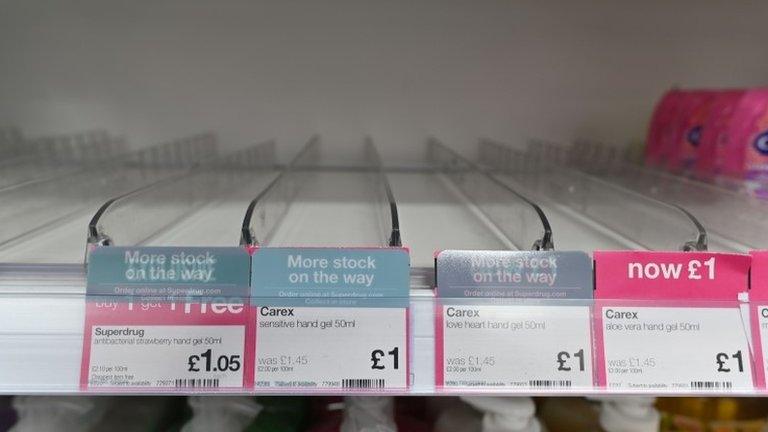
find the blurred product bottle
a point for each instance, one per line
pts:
(59, 413)
(629, 414)
(566, 414)
(369, 414)
(452, 414)
(141, 414)
(246, 413)
(280, 414)
(7, 413)
(713, 414)
(489, 414)
(221, 413)
(635, 414)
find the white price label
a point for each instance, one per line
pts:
(516, 347)
(331, 348)
(675, 349)
(172, 356)
(762, 323)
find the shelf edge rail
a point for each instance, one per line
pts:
(136, 216)
(543, 169)
(513, 213)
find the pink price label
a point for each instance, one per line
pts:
(758, 296)
(759, 278)
(154, 338)
(643, 275)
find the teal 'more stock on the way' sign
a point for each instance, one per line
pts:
(546, 275)
(360, 273)
(169, 271)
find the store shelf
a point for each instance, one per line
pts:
(42, 343)
(443, 202)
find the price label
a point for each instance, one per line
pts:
(758, 314)
(514, 346)
(760, 328)
(486, 341)
(675, 349)
(165, 345)
(331, 318)
(331, 348)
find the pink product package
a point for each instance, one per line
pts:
(746, 150)
(661, 130)
(689, 125)
(714, 136)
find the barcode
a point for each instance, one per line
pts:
(196, 382)
(549, 383)
(711, 385)
(361, 383)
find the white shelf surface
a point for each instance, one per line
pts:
(217, 223)
(331, 209)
